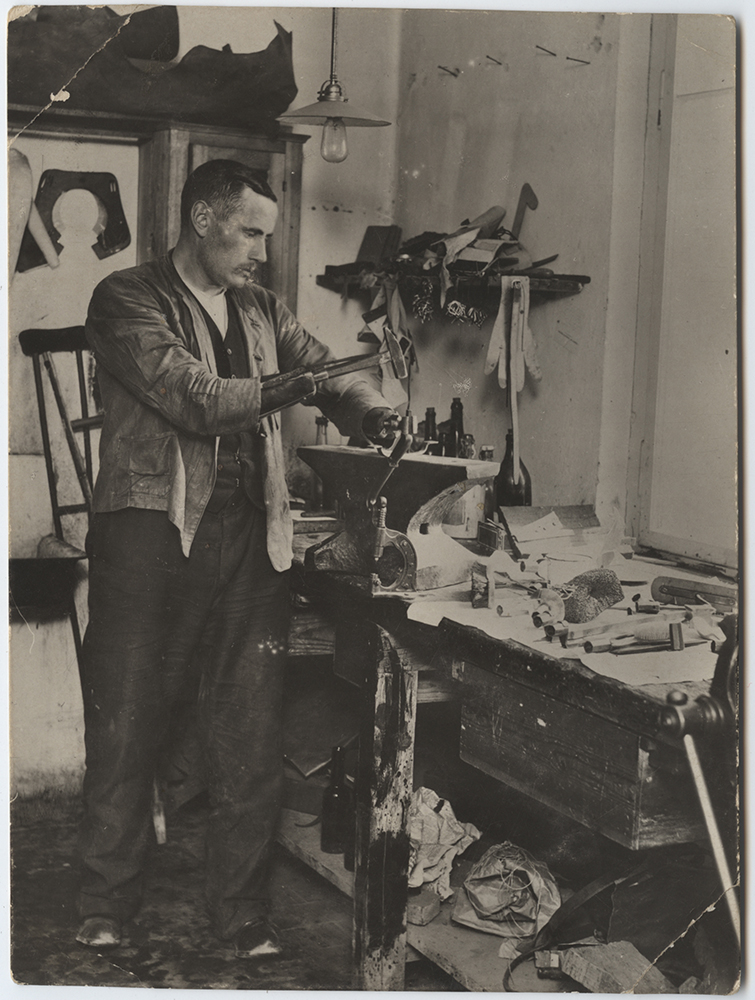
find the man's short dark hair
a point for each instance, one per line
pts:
(220, 183)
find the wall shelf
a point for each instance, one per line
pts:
(100, 126)
(482, 287)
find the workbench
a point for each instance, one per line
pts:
(583, 744)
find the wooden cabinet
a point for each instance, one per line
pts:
(167, 158)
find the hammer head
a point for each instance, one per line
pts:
(398, 361)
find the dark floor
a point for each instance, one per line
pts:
(170, 944)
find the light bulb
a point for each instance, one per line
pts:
(333, 147)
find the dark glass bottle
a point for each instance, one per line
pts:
(456, 429)
(318, 490)
(431, 433)
(457, 416)
(508, 492)
(337, 808)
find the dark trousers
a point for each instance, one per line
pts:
(161, 626)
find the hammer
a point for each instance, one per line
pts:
(284, 389)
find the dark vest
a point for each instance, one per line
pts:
(238, 461)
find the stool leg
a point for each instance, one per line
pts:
(75, 628)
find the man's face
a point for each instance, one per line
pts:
(232, 247)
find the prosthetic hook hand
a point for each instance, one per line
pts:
(380, 425)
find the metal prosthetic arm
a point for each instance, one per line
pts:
(281, 391)
(284, 389)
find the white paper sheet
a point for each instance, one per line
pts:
(695, 663)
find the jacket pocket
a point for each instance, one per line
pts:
(149, 465)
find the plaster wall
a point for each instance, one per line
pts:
(482, 110)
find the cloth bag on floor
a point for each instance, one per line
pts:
(509, 893)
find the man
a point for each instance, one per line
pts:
(189, 548)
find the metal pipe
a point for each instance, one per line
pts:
(713, 833)
(333, 32)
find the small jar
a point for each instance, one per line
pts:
(467, 446)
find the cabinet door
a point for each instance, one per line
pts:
(169, 156)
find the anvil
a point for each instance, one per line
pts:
(399, 545)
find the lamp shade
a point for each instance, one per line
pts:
(319, 113)
(332, 111)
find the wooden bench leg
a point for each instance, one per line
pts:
(384, 788)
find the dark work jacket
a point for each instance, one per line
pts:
(165, 405)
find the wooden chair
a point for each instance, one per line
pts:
(52, 575)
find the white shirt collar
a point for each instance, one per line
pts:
(216, 304)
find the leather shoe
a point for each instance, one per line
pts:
(99, 932)
(258, 939)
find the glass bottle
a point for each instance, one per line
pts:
(337, 811)
(431, 432)
(456, 432)
(457, 416)
(321, 499)
(509, 492)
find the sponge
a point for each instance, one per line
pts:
(590, 593)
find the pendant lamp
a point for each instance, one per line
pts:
(333, 111)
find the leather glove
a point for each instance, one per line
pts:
(380, 425)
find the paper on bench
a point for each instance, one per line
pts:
(695, 663)
(549, 526)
